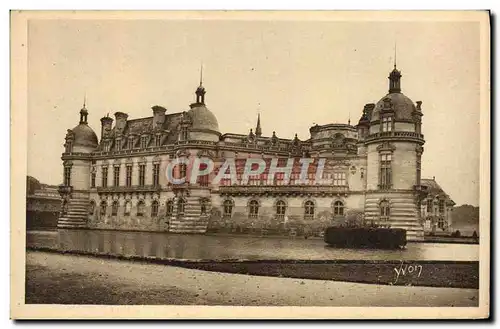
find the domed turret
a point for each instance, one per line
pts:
(204, 125)
(402, 106)
(83, 135)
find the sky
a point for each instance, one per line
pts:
(294, 73)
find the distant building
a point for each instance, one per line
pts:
(43, 205)
(118, 181)
(436, 209)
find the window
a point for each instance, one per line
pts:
(180, 207)
(309, 210)
(142, 173)
(441, 223)
(280, 209)
(114, 208)
(386, 124)
(184, 134)
(204, 207)
(104, 177)
(253, 209)
(430, 204)
(131, 142)
(129, 176)
(107, 146)
(116, 176)
(67, 176)
(92, 179)
(203, 180)
(170, 208)
(385, 171)
(339, 179)
(92, 207)
(182, 170)
(338, 208)
(158, 140)
(144, 142)
(154, 208)
(127, 208)
(104, 206)
(441, 206)
(228, 209)
(69, 146)
(140, 208)
(156, 174)
(385, 211)
(118, 144)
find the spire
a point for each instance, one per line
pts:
(83, 112)
(200, 91)
(395, 76)
(395, 53)
(258, 129)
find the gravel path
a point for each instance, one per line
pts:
(64, 279)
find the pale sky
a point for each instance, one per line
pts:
(295, 73)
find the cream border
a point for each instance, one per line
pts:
(19, 22)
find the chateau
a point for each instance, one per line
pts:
(118, 181)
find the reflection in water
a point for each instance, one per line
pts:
(181, 246)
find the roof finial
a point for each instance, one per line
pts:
(349, 120)
(395, 53)
(85, 100)
(201, 74)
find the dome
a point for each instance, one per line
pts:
(402, 105)
(84, 136)
(202, 118)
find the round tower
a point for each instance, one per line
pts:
(394, 149)
(81, 141)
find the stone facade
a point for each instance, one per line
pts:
(373, 168)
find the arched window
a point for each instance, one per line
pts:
(385, 211)
(104, 205)
(338, 208)
(154, 208)
(114, 208)
(228, 208)
(92, 207)
(128, 206)
(253, 210)
(140, 208)
(309, 210)
(280, 209)
(170, 208)
(180, 207)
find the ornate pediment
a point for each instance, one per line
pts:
(386, 146)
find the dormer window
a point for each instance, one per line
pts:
(144, 142)
(184, 134)
(118, 145)
(107, 146)
(130, 142)
(69, 146)
(158, 140)
(387, 123)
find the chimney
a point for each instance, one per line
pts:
(121, 121)
(158, 116)
(106, 123)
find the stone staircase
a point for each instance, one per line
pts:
(191, 221)
(76, 215)
(404, 214)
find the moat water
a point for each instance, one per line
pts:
(218, 247)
